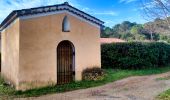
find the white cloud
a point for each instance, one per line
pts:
(7, 6)
(110, 13)
(94, 12)
(127, 1)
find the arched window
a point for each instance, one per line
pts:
(66, 24)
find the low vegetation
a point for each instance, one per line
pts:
(164, 96)
(135, 55)
(110, 76)
(5, 90)
(163, 78)
(93, 74)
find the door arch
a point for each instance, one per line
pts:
(65, 62)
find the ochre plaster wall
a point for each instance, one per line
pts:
(29, 49)
(10, 53)
(38, 43)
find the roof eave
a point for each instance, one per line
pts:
(8, 20)
(17, 13)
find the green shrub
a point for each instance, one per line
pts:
(93, 74)
(135, 55)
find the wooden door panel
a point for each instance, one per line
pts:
(64, 62)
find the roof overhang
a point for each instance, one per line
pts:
(48, 9)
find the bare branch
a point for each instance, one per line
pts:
(156, 9)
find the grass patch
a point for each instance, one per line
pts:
(111, 75)
(163, 78)
(6, 91)
(164, 96)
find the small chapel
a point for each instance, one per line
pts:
(48, 45)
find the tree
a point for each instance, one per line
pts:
(123, 28)
(165, 38)
(150, 28)
(106, 32)
(137, 29)
(137, 32)
(153, 9)
(126, 25)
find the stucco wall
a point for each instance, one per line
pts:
(38, 43)
(10, 53)
(29, 57)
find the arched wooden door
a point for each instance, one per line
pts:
(65, 62)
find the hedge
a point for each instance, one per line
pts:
(135, 55)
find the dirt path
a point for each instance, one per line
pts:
(132, 88)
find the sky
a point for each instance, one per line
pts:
(110, 11)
